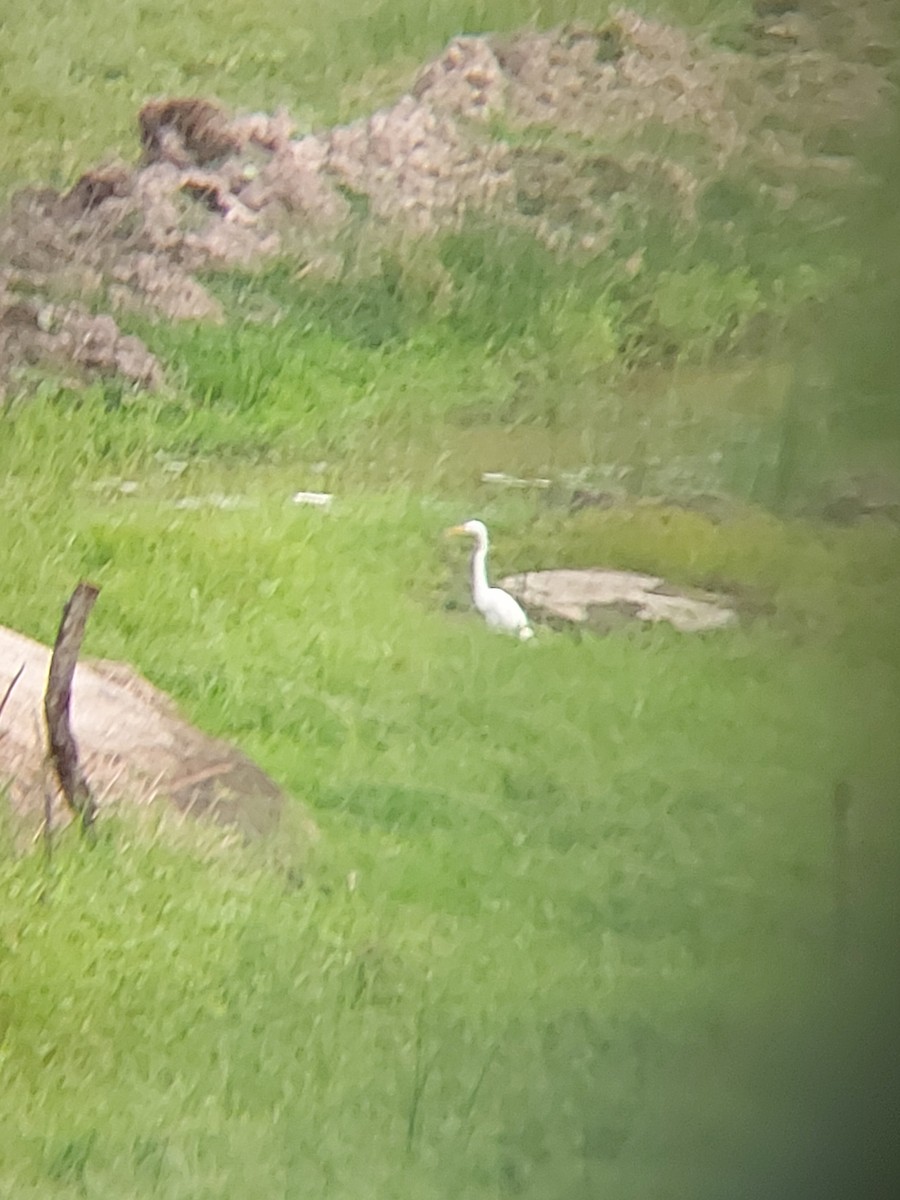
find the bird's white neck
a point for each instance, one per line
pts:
(480, 585)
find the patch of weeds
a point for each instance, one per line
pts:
(68, 1162)
(704, 309)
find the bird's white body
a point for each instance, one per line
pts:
(499, 609)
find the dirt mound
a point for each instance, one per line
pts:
(554, 133)
(33, 331)
(134, 746)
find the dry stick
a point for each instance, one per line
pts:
(63, 748)
(8, 692)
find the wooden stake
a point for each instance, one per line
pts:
(63, 748)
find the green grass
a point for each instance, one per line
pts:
(589, 874)
(569, 927)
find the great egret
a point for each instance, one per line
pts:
(497, 607)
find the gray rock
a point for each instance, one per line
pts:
(577, 595)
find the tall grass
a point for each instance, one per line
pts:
(559, 885)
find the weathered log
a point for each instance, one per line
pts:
(63, 747)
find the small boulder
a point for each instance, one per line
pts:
(586, 597)
(134, 747)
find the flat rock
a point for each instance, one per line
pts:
(134, 746)
(581, 596)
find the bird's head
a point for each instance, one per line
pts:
(476, 529)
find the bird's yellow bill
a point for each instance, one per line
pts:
(454, 529)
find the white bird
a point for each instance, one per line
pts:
(497, 607)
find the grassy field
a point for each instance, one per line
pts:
(564, 894)
(570, 927)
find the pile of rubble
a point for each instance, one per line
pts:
(553, 132)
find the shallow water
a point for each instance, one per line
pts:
(712, 439)
(677, 432)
